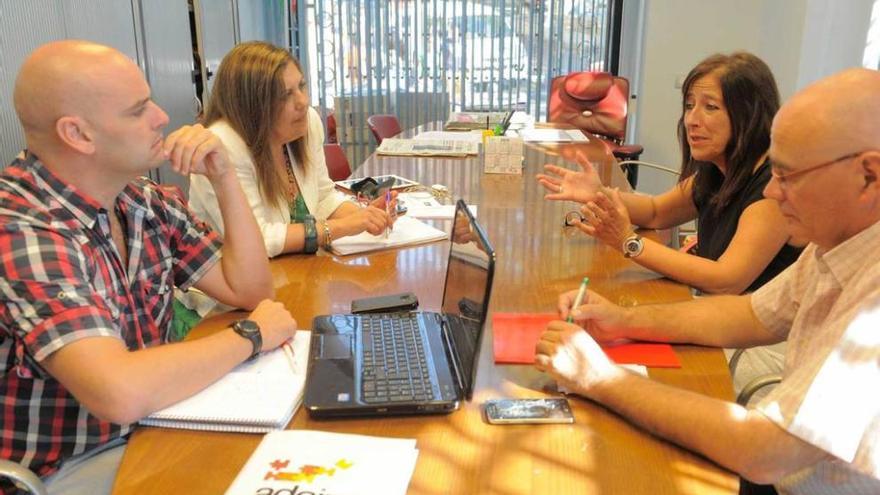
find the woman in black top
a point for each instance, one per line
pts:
(728, 104)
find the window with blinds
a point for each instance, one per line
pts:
(422, 59)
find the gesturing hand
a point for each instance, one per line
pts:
(607, 218)
(563, 184)
(194, 149)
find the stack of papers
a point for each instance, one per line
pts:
(407, 231)
(427, 147)
(423, 205)
(302, 462)
(255, 397)
(553, 135)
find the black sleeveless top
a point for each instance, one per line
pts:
(715, 228)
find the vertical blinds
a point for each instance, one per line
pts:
(421, 59)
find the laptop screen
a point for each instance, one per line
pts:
(467, 289)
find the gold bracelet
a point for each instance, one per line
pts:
(327, 237)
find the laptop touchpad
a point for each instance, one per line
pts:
(335, 347)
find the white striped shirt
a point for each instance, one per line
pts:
(827, 304)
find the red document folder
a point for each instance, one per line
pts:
(515, 336)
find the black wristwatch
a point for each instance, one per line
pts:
(633, 246)
(251, 331)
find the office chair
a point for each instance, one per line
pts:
(331, 128)
(383, 126)
(22, 477)
(337, 163)
(755, 384)
(597, 103)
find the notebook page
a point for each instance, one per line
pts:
(261, 393)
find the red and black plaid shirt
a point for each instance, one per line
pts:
(62, 279)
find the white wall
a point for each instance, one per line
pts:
(801, 41)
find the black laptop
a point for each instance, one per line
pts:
(408, 362)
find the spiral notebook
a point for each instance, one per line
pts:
(255, 397)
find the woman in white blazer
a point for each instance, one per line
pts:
(259, 108)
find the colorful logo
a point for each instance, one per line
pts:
(305, 473)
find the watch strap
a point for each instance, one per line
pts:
(255, 337)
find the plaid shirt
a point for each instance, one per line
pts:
(62, 279)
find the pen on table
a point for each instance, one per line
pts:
(579, 299)
(388, 210)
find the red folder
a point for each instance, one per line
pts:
(515, 336)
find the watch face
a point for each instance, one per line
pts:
(248, 326)
(632, 247)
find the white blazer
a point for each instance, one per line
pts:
(315, 186)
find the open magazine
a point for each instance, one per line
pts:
(427, 147)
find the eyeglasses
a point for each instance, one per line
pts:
(782, 179)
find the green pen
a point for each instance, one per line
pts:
(580, 297)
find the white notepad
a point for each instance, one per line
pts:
(407, 231)
(255, 397)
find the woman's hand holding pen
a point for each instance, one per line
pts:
(370, 219)
(606, 218)
(384, 205)
(563, 184)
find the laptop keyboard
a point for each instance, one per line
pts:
(393, 357)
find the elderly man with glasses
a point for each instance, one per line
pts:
(819, 430)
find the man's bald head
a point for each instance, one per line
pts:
(63, 78)
(832, 117)
(824, 152)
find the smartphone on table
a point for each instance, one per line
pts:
(405, 301)
(512, 411)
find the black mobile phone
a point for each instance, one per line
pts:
(385, 304)
(511, 411)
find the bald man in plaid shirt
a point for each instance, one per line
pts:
(90, 252)
(818, 431)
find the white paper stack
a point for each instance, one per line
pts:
(327, 463)
(407, 231)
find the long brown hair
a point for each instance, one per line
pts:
(752, 99)
(248, 94)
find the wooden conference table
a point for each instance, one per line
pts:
(459, 453)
